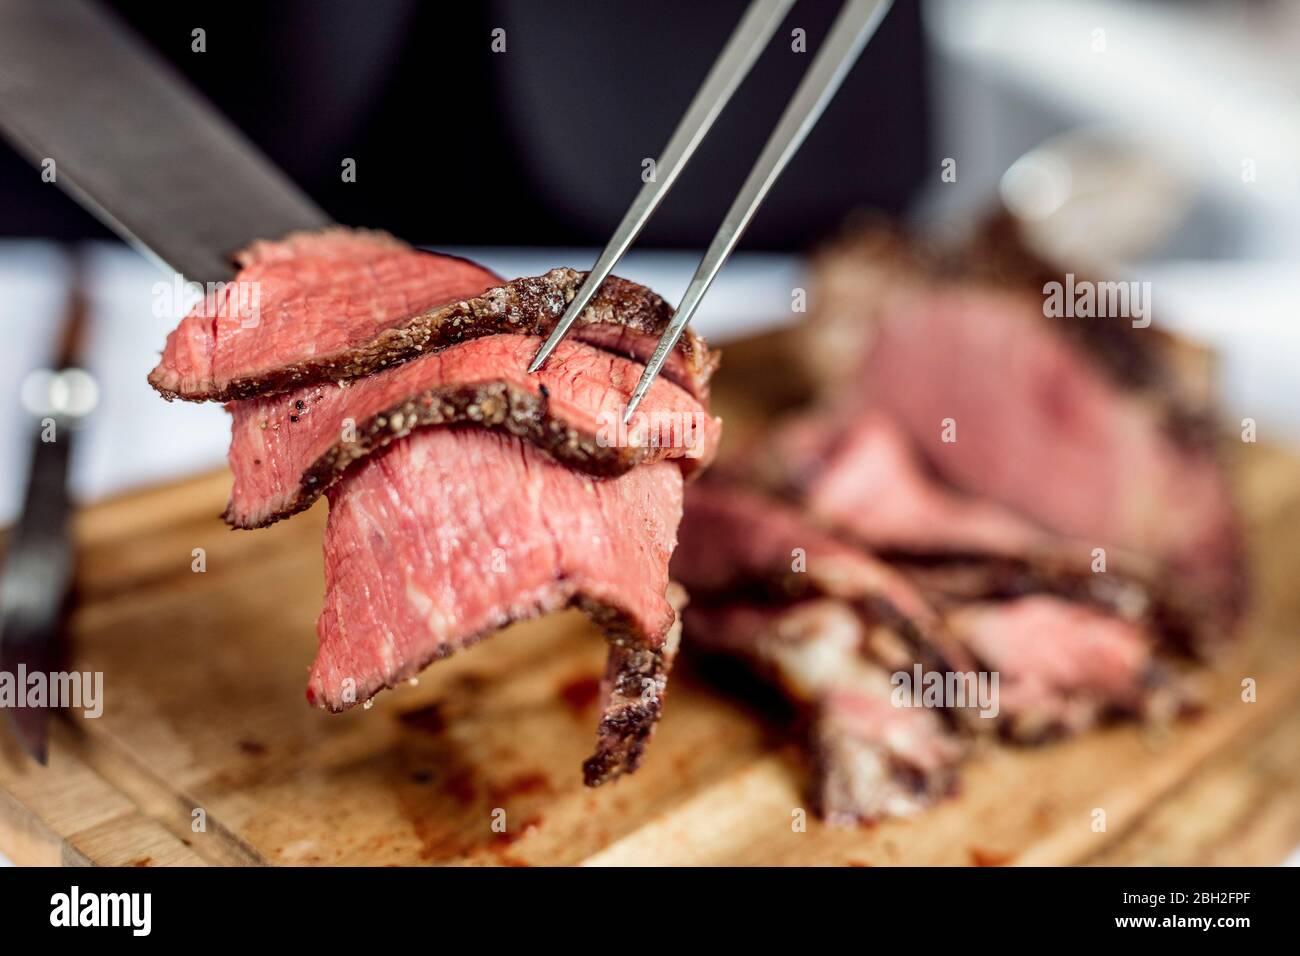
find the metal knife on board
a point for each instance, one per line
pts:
(105, 118)
(36, 578)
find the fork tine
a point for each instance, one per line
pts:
(747, 42)
(853, 28)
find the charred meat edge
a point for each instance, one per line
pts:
(630, 713)
(529, 306)
(495, 405)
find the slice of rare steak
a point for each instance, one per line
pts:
(287, 449)
(1063, 667)
(340, 304)
(450, 534)
(307, 307)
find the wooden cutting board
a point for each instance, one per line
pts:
(205, 720)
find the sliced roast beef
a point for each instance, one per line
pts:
(872, 759)
(301, 308)
(1068, 648)
(735, 541)
(858, 473)
(1090, 427)
(1064, 666)
(450, 534)
(1072, 644)
(828, 624)
(338, 348)
(340, 304)
(287, 449)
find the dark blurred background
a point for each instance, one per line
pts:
(540, 145)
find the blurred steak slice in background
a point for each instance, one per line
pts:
(857, 472)
(1064, 667)
(826, 624)
(871, 760)
(1095, 428)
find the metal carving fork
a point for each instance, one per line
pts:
(853, 27)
